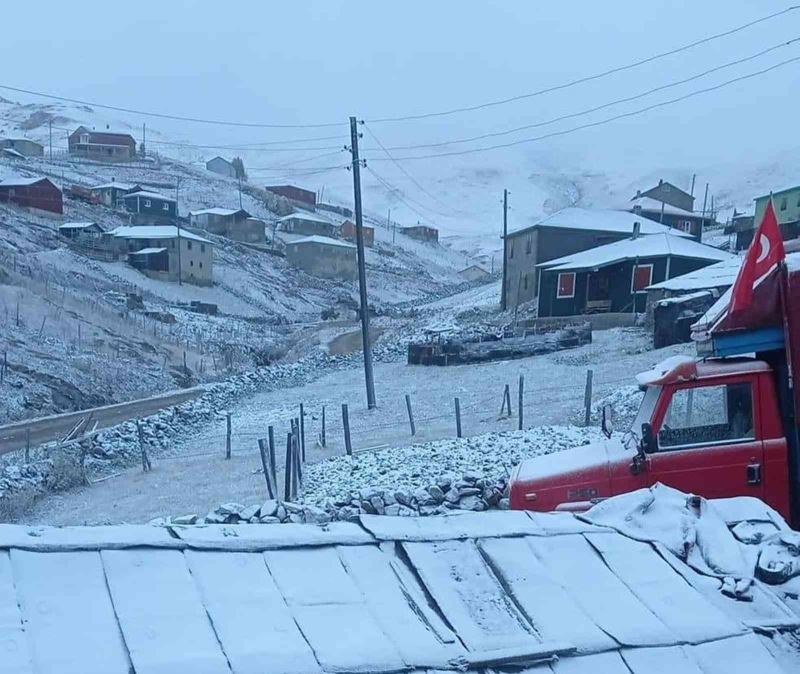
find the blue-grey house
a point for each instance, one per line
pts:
(151, 207)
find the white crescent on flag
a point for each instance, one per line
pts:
(764, 246)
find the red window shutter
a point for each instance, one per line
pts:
(642, 277)
(566, 285)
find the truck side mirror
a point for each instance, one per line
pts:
(608, 421)
(649, 444)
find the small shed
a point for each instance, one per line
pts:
(221, 166)
(81, 230)
(24, 146)
(324, 257)
(34, 194)
(347, 231)
(151, 207)
(307, 224)
(615, 277)
(474, 273)
(421, 233)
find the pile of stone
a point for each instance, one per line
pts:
(471, 492)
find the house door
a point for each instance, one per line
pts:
(597, 287)
(709, 442)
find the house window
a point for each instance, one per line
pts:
(147, 203)
(188, 245)
(525, 282)
(84, 138)
(511, 250)
(201, 265)
(202, 248)
(528, 245)
(566, 286)
(191, 263)
(641, 277)
(783, 204)
(165, 207)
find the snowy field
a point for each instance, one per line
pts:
(195, 477)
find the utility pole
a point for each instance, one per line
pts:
(703, 221)
(144, 139)
(691, 191)
(50, 130)
(503, 298)
(240, 192)
(362, 269)
(178, 228)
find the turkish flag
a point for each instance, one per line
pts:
(766, 251)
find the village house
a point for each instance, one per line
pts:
(742, 228)
(221, 166)
(23, 146)
(474, 273)
(81, 231)
(40, 195)
(615, 277)
(324, 257)
(102, 145)
(307, 224)
(233, 223)
(671, 216)
(113, 194)
(421, 233)
(787, 209)
(164, 251)
(150, 207)
(347, 231)
(565, 232)
(297, 195)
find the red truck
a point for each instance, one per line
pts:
(723, 424)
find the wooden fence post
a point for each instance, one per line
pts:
(298, 466)
(271, 440)
(458, 418)
(519, 401)
(287, 478)
(587, 398)
(227, 435)
(322, 435)
(146, 465)
(346, 423)
(506, 404)
(410, 415)
(302, 433)
(265, 465)
(27, 445)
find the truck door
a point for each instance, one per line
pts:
(709, 441)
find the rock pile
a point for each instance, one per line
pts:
(470, 492)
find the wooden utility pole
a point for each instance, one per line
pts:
(50, 130)
(362, 268)
(503, 298)
(703, 221)
(178, 228)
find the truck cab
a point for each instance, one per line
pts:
(721, 425)
(707, 427)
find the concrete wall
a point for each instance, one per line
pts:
(196, 258)
(28, 148)
(324, 260)
(221, 166)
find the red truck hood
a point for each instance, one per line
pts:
(575, 475)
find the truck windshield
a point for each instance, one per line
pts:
(645, 412)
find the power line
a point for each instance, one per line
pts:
(597, 108)
(588, 78)
(601, 122)
(161, 115)
(398, 194)
(302, 161)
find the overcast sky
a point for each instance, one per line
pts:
(312, 61)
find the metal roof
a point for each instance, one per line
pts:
(323, 240)
(155, 232)
(598, 220)
(388, 594)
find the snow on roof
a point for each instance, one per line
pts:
(653, 245)
(22, 182)
(649, 204)
(21, 138)
(603, 220)
(77, 225)
(155, 232)
(217, 211)
(149, 195)
(119, 186)
(324, 240)
(717, 275)
(329, 599)
(13, 152)
(305, 216)
(147, 251)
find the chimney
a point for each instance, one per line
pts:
(638, 193)
(636, 227)
(660, 182)
(637, 209)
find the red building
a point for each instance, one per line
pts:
(102, 144)
(33, 193)
(303, 198)
(348, 232)
(421, 232)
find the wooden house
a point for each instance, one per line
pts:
(347, 231)
(421, 233)
(113, 194)
(307, 224)
(102, 145)
(34, 194)
(150, 207)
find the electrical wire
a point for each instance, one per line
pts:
(588, 78)
(602, 122)
(588, 111)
